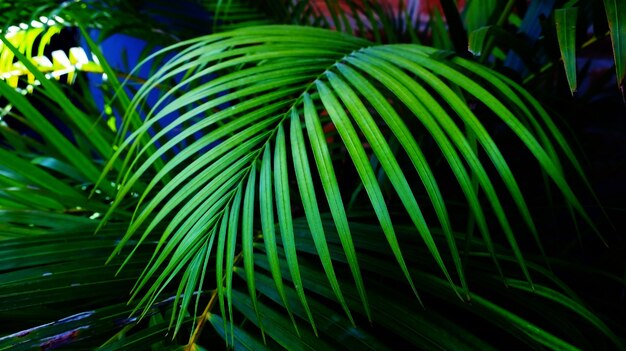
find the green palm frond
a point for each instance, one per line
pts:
(273, 84)
(290, 187)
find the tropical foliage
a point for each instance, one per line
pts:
(311, 175)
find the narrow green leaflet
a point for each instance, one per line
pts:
(195, 185)
(550, 166)
(566, 34)
(206, 251)
(187, 287)
(505, 85)
(152, 336)
(396, 176)
(247, 241)
(326, 171)
(361, 162)
(311, 209)
(233, 229)
(59, 167)
(479, 13)
(36, 175)
(531, 330)
(441, 32)
(408, 142)
(266, 204)
(616, 16)
(219, 267)
(425, 107)
(283, 209)
(419, 65)
(132, 117)
(209, 208)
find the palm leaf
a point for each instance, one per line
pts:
(269, 69)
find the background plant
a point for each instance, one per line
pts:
(282, 120)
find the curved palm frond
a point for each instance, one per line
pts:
(252, 89)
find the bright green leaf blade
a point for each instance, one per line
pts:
(408, 142)
(553, 170)
(311, 208)
(193, 272)
(36, 175)
(283, 207)
(333, 195)
(233, 229)
(206, 251)
(247, 241)
(208, 206)
(266, 204)
(219, 266)
(194, 183)
(417, 64)
(368, 178)
(479, 13)
(79, 118)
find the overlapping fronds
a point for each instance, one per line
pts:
(32, 41)
(261, 116)
(317, 187)
(64, 268)
(487, 21)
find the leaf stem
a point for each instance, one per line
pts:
(206, 313)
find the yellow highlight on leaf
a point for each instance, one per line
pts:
(25, 39)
